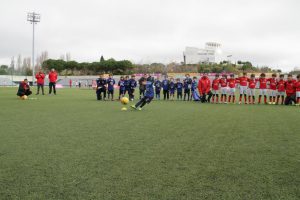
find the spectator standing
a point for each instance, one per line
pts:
(52, 81)
(40, 80)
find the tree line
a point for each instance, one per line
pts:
(85, 68)
(69, 68)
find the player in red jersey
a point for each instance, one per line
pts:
(262, 88)
(231, 84)
(297, 85)
(290, 91)
(224, 88)
(251, 89)
(215, 89)
(243, 81)
(280, 89)
(272, 88)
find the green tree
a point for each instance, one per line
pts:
(3, 70)
(102, 59)
(28, 71)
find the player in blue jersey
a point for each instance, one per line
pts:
(101, 87)
(127, 84)
(194, 86)
(122, 88)
(179, 88)
(172, 89)
(132, 86)
(157, 85)
(166, 88)
(149, 94)
(187, 83)
(141, 86)
(110, 87)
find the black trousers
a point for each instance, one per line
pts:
(206, 97)
(99, 93)
(121, 93)
(166, 94)
(290, 99)
(131, 94)
(52, 85)
(26, 92)
(110, 93)
(179, 95)
(142, 93)
(145, 100)
(187, 92)
(157, 94)
(40, 86)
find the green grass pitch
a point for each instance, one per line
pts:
(71, 146)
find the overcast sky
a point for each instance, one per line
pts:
(265, 32)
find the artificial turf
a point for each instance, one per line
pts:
(71, 146)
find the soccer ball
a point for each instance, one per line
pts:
(124, 100)
(24, 97)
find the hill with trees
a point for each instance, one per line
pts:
(69, 67)
(127, 67)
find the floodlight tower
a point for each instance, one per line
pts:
(33, 18)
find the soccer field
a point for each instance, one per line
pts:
(71, 146)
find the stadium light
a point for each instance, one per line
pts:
(33, 18)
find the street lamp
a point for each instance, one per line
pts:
(33, 18)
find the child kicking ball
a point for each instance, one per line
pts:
(149, 94)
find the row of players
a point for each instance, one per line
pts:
(287, 91)
(129, 84)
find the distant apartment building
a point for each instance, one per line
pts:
(209, 54)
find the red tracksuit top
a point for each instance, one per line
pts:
(40, 78)
(204, 85)
(52, 77)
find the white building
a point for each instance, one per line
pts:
(210, 54)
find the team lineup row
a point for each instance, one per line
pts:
(287, 91)
(219, 90)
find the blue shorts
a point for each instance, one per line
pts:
(122, 91)
(110, 91)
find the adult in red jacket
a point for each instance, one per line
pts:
(290, 88)
(204, 88)
(52, 81)
(40, 80)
